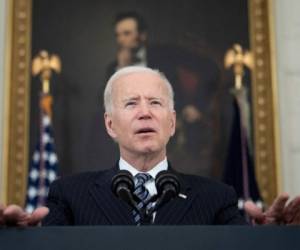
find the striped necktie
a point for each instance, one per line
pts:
(142, 193)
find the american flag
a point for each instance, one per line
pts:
(44, 163)
(239, 170)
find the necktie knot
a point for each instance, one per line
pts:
(141, 179)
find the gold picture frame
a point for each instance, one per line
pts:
(16, 128)
(17, 101)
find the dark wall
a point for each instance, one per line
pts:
(81, 33)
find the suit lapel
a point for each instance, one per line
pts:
(173, 211)
(116, 210)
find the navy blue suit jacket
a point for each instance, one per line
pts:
(87, 199)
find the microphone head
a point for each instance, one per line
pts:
(122, 184)
(167, 181)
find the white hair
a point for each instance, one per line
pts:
(108, 102)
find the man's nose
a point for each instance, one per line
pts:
(145, 112)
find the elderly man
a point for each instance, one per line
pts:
(140, 117)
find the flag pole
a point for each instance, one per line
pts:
(43, 65)
(238, 59)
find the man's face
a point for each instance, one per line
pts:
(141, 120)
(127, 34)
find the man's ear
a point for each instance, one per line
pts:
(109, 125)
(173, 122)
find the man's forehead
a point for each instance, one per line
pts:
(140, 82)
(126, 23)
(150, 79)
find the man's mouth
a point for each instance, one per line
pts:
(145, 131)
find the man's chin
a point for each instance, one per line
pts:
(148, 149)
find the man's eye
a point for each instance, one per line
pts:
(130, 104)
(156, 103)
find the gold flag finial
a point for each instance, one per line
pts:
(43, 64)
(238, 58)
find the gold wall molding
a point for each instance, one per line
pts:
(264, 99)
(263, 90)
(18, 102)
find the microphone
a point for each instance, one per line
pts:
(168, 187)
(122, 185)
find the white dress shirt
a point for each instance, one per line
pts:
(142, 56)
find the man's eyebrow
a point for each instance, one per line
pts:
(133, 98)
(154, 98)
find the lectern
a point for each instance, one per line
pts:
(152, 238)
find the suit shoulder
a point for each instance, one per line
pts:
(79, 179)
(203, 183)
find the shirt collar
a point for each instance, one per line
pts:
(142, 54)
(163, 165)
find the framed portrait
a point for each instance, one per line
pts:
(187, 41)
